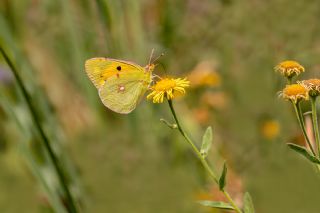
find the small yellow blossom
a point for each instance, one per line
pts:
(168, 88)
(289, 69)
(295, 93)
(270, 129)
(312, 85)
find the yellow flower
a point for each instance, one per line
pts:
(168, 88)
(295, 93)
(312, 85)
(289, 68)
(270, 129)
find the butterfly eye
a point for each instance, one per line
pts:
(118, 68)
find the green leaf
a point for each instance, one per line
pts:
(172, 126)
(247, 203)
(206, 142)
(222, 179)
(216, 204)
(303, 151)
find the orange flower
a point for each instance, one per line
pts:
(295, 93)
(217, 100)
(289, 69)
(270, 129)
(312, 85)
(204, 75)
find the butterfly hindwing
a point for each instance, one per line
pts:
(122, 96)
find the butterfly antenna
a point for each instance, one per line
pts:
(156, 76)
(152, 51)
(156, 59)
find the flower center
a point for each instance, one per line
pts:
(165, 84)
(294, 89)
(290, 64)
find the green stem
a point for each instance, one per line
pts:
(203, 160)
(315, 122)
(302, 126)
(71, 206)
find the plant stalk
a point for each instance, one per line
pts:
(70, 202)
(315, 122)
(299, 115)
(203, 160)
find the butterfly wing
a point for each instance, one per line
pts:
(121, 84)
(124, 93)
(100, 69)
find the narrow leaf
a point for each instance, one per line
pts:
(216, 204)
(222, 179)
(247, 203)
(206, 142)
(172, 126)
(303, 151)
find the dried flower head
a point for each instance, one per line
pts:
(312, 85)
(289, 69)
(295, 93)
(168, 88)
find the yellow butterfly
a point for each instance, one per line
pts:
(121, 84)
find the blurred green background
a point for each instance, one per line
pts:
(133, 163)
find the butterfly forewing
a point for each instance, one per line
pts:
(101, 69)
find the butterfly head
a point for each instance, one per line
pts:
(150, 67)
